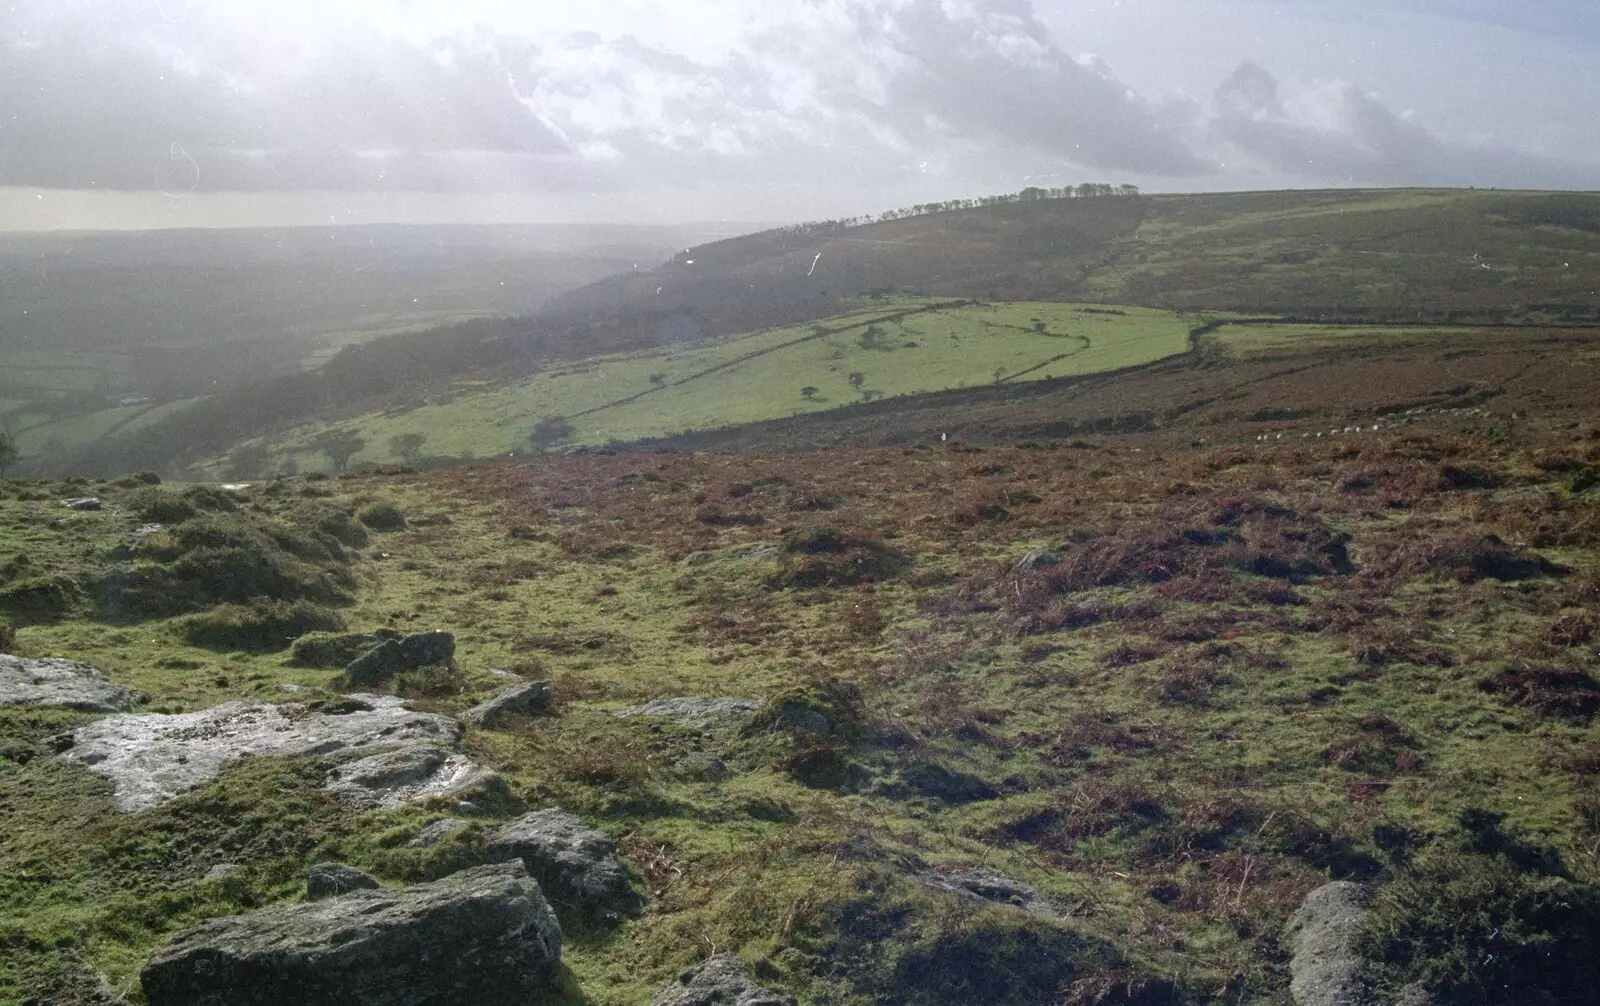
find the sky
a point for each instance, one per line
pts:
(160, 113)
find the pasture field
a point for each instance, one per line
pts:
(39, 435)
(1247, 341)
(897, 346)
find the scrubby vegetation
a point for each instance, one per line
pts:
(1171, 688)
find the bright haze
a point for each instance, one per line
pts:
(146, 113)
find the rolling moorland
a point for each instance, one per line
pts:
(1400, 258)
(1065, 687)
(159, 320)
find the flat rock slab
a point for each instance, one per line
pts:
(151, 759)
(524, 698)
(484, 935)
(718, 981)
(576, 866)
(59, 684)
(708, 715)
(976, 884)
(1325, 969)
(407, 774)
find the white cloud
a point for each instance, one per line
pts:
(654, 95)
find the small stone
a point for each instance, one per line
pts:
(327, 880)
(221, 870)
(522, 699)
(575, 865)
(82, 503)
(467, 807)
(701, 766)
(708, 715)
(423, 649)
(1039, 558)
(415, 772)
(722, 980)
(978, 884)
(437, 831)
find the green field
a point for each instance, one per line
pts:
(879, 349)
(1244, 341)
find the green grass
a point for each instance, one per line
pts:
(1244, 341)
(916, 346)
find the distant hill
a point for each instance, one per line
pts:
(1381, 257)
(1389, 254)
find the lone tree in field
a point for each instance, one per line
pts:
(339, 446)
(857, 379)
(407, 446)
(247, 461)
(808, 393)
(8, 452)
(551, 430)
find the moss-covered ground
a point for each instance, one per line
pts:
(1234, 675)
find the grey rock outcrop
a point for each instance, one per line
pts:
(576, 866)
(327, 880)
(722, 980)
(59, 684)
(521, 699)
(708, 715)
(414, 772)
(392, 655)
(978, 884)
(1325, 969)
(151, 759)
(481, 935)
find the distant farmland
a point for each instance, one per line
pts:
(878, 349)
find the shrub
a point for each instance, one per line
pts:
(382, 517)
(8, 636)
(828, 555)
(264, 625)
(1474, 928)
(829, 708)
(39, 598)
(1550, 691)
(224, 558)
(333, 522)
(334, 650)
(210, 498)
(162, 507)
(1489, 557)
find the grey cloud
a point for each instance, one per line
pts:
(96, 94)
(996, 75)
(98, 99)
(1342, 134)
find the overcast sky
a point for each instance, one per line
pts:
(183, 112)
